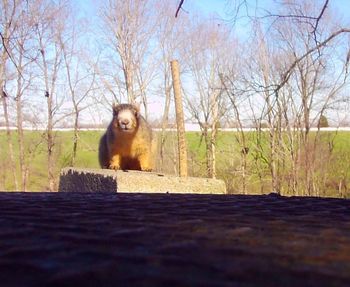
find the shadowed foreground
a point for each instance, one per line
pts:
(66, 239)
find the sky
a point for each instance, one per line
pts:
(210, 8)
(222, 10)
(218, 6)
(219, 9)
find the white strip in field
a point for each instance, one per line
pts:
(188, 128)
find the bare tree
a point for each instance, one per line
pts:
(9, 18)
(80, 82)
(228, 82)
(293, 73)
(315, 84)
(50, 24)
(209, 48)
(23, 57)
(129, 28)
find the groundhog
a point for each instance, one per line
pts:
(127, 143)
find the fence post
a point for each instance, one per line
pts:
(182, 147)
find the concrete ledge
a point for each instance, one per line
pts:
(104, 180)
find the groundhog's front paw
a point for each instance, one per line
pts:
(114, 166)
(146, 168)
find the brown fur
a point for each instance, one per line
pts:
(127, 143)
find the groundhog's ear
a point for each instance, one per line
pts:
(137, 107)
(115, 108)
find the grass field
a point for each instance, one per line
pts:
(336, 169)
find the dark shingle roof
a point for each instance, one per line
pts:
(73, 239)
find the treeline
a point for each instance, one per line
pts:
(286, 70)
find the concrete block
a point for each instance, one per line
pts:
(105, 180)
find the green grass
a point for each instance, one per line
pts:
(334, 172)
(86, 155)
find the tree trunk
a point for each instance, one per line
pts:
(128, 77)
(213, 134)
(3, 96)
(20, 134)
(165, 120)
(50, 113)
(20, 138)
(9, 141)
(50, 145)
(208, 152)
(213, 151)
(75, 137)
(49, 129)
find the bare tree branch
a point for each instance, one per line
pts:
(318, 20)
(9, 54)
(288, 73)
(178, 8)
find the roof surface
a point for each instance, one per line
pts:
(90, 239)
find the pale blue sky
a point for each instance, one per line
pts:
(220, 6)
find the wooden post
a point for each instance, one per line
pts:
(182, 147)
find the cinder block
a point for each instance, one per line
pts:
(104, 180)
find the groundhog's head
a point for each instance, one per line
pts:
(125, 117)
